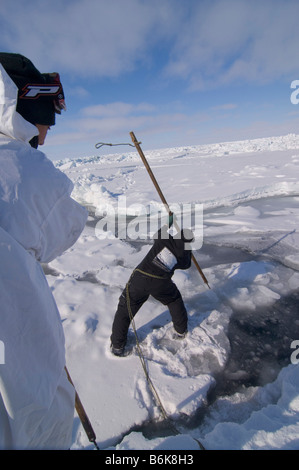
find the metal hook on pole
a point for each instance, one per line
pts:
(137, 145)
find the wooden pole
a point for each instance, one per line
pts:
(82, 414)
(139, 150)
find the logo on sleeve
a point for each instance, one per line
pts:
(35, 91)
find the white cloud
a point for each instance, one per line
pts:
(231, 41)
(209, 42)
(117, 109)
(97, 38)
(113, 122)
(225, 107)
(79, 92)
(195, 44)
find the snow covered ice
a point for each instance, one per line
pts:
(233, 382)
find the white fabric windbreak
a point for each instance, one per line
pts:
(38, 221)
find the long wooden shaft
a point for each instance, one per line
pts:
(137, 145)
(82, 414)
(139, 150)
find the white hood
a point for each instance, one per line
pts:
(38, 221)
(35, 204)
(12, 124)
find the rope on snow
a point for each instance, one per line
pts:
(143, 363)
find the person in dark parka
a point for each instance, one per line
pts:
(153, 277)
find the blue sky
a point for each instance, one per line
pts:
(176, 72)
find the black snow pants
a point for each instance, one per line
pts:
(140, 287)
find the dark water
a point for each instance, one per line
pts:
(260, 348)
(260, 345)
(260, 340)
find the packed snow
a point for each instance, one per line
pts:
(233, 382)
